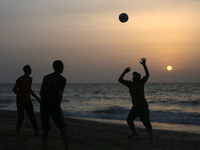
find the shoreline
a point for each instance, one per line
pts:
(156, 125)
(90, 135)
(190, 128)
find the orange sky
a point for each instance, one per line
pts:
(94, 46)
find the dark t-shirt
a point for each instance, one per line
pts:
(136, 90)
(24, 87)
(52, 83)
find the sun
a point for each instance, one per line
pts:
(169, 68)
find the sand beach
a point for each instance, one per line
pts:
(91, 135)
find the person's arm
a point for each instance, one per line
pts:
(61, 90)
(59, 97)
(143, 62)
(35, 96)
(121, 78)
(15, 89)
(41, 90)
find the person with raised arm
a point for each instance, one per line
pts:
(140, 106)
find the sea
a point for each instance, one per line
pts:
(173, 106)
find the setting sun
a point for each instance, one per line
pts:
(169, 68)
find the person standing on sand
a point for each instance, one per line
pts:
(140, 106)
(51, 97)
(23, 91)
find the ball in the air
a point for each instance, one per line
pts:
(123, 17)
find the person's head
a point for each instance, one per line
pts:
(136, 76)
(27, 70)
(58, 66)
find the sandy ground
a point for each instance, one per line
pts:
(90, 135)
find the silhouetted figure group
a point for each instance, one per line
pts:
(51, 92)
(51, 97)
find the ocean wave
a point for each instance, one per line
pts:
(171, 101)
(175, 117)
(7, 101)
(121, 113)
(115, 110)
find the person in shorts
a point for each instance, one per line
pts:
(140, 106)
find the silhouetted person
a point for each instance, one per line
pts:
(23, 91)
(51, 96)
(140, 106)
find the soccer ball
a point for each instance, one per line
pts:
(123, 17)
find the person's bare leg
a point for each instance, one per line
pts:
(150, 134)
(65, 141)
(36, 132)
(134, 133)
(44, 143)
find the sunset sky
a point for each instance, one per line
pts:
(94, 45)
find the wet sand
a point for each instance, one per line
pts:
(91, 135)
